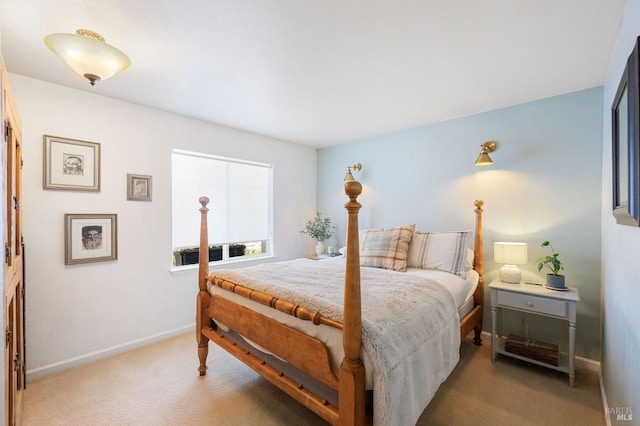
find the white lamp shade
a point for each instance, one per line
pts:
(87, 55)
(510, 253)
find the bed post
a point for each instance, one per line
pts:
(478, 265)
(351, 398)
(202, 300)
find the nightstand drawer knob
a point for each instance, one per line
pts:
(530, 304)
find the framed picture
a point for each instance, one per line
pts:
(625, 126)
(71, 164)
(90, 238)
(138, 187)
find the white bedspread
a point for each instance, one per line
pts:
(411, 328)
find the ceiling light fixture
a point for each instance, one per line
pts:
(87, 54)
(483, 158)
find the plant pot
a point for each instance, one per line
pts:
(555, 281)
(320, 247)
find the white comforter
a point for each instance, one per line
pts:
(411, 328)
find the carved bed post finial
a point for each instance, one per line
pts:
(351, 398)
(202, 300)
(203, 258)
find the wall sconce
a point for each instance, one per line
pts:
(356, 167)
(483, 158)
(511, 254)
(87, 54)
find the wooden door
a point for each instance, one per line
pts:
(13, 277)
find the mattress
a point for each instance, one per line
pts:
(461, 289)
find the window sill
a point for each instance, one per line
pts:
(223, 263)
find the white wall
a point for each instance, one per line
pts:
(620, 254)
(545, 185)
(80, 312)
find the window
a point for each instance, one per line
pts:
(239, 218)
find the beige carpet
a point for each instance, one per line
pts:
(159, 385)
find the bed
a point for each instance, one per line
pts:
(314, 342)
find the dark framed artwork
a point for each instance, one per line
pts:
(139, 187)
(90, 238)
(625, 125)
(71, 164)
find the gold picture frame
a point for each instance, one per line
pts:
(71, 164)
(90, 238)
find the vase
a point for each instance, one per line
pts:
(555, 281)
(320, 247)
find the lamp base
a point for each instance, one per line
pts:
(510, 274)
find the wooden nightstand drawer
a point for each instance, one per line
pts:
(536, 304)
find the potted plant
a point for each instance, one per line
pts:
(554, 279)
(319, 229)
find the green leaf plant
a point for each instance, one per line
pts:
(319, 228)
(551, 261)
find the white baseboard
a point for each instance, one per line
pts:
(605, 404)
(587, 364)
(581, 362)
(57, 367)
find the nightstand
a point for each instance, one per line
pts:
(537, 300)
(322, 256)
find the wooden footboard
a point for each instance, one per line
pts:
(304, 352)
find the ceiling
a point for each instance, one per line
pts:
(324, 72)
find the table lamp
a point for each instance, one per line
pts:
(510, 254)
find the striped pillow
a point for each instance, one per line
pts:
(443, 251)
(386, 248)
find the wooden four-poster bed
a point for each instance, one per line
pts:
(300, 363)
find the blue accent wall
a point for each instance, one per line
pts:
(545, 184)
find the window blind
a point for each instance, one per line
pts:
(239, 194)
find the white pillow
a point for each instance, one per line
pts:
(361, 233)
(471, 256)
(443, 251)
(386, 248)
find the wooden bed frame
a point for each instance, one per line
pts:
(301, 351)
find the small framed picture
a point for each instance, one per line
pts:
(90, 238)
(71, 164)
(139, 187)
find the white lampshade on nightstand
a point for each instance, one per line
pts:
(510, 254)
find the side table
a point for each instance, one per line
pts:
(538, 300)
